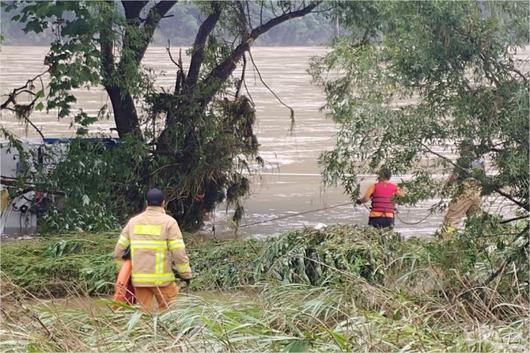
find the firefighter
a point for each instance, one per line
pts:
(467, 200)
(156, 245)
(381, 194)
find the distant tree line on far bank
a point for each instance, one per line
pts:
(182, 25)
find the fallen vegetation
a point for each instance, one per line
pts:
(343, 288)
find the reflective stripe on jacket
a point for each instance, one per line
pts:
(156, 245)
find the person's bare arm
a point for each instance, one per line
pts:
(367, 195)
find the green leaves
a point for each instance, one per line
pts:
(85, 175)
(35, 26)
(320, 257)
(301, 345)
(62, 248)
(429, 76)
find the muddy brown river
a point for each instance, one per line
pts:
(290, 184)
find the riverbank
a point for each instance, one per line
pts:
(341, 288)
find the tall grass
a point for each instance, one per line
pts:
(341, 289)
(266, 317)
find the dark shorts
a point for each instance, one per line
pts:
(381, 222)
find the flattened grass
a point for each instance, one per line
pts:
(343, 288)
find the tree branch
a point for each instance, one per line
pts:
(261, 13)
(15, 92)
(181, 76)
(256, 32)
(177, 63)
(220, 73)
(133, 8)
(28, 120)
(509, 197)
(511, 258)
(132, 14)
(243, 20)
(497, 190)
(242, 79)
(248, 93)
(125, 114)
(199, 44)
(107, 54)
(525, 79)
(249, 19)
(156, 13)
(514, 219)
(26, 88)
(271, 91)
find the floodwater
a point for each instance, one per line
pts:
(290, 186)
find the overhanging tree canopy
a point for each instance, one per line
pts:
(421, 78)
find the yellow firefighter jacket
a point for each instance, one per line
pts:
(156, 244)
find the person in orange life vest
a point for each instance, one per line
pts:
(381, 194)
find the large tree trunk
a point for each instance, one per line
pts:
(125, 114)
(194, 94)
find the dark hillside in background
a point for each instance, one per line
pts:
(181, 27)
